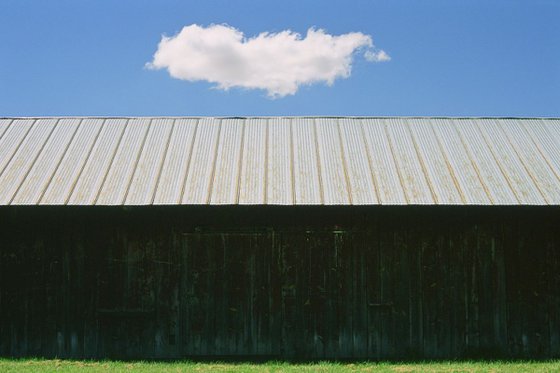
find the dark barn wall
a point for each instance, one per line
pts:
(280, 282)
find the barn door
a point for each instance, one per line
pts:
(229, 294)
(136, 297)
(278, 293)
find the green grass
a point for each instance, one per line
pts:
(70, 366)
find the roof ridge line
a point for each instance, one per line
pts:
(279, 116)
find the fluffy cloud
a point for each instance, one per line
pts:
(276, 62)
(376, 56)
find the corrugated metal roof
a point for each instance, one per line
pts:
(280, 161)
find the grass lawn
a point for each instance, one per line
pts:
(38, 365)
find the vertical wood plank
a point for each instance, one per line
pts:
(373, 292)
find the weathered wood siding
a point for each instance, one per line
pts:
(312, 283)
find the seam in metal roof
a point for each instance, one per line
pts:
(279, 161)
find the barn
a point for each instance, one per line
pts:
(280, 237)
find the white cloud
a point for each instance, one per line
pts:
(276, 62)
(376, 56)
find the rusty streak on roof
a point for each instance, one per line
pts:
(280, 161)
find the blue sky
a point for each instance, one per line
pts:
(448, 58)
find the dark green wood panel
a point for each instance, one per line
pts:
(280, 283)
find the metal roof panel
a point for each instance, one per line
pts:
(148, 169)
(11, 140)
(411, 169)
(279, 165)
(177, 161)
(117, 182)
(253, 178)
(306, 173)
(383, 164)
(4, 125)
(91, 178)
(279, 161)
(435, 163)
(460, 162)
(533, 160)
(69, 170)
(332, 163)
(547, 145)
(509, 162)
(225, 183)
(359, 173)
(18, 167)
(39, 176)
(491, 174)
(200, 176)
